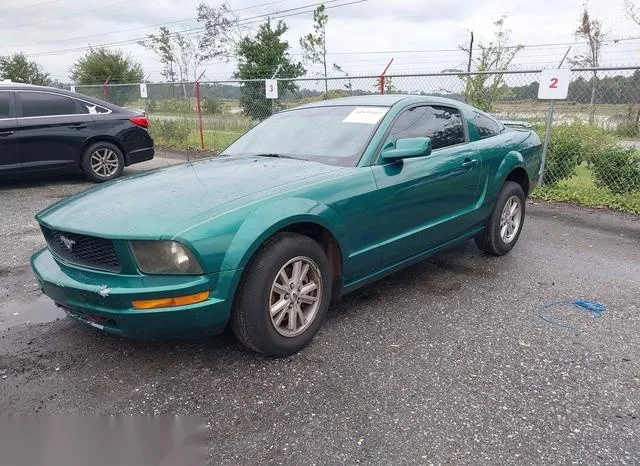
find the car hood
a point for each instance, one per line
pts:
(162, 203)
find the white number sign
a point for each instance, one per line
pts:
(73, 88)
(143, 90)
(271, 88)
(554, 84)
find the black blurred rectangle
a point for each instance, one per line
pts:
(52, 440)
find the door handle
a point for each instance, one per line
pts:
(469, 163)
(78, 125)
(6, 133)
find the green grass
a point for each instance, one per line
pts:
(581, 189)
(213, 141)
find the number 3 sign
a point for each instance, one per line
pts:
(554, 84)
(271, 88)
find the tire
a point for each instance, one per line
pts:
(262, 293)
(492, 240)
(102, 162)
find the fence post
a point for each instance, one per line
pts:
(547, 130)
(105, 89)
(382, 76)
(199, 109)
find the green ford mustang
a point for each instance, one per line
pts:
(310, 204)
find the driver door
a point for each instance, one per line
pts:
(426, 201)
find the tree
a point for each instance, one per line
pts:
(18, 68)
(259, 58)
(222, 32)
(590, 30)
(162, 45)
(178, 53)
(349, 85)
(101, 64)
(633, 11)
(314, 45)
(483, 90)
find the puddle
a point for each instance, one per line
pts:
(38, 311)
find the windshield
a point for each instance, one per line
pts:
(332, 135)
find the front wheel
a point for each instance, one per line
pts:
(504, 226)
(283, 297)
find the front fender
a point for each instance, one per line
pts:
(263, 222)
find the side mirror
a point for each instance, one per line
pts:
(408, 148)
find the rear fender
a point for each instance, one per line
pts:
(511, 161)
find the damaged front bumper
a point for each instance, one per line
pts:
(104, 300)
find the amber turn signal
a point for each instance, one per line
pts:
(171, 302)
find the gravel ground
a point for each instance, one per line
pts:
(448, 361)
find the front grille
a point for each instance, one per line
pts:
(83, 250)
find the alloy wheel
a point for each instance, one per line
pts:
(295, 296)
(510, 219)
(104, 162)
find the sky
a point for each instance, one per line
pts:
(420, 35)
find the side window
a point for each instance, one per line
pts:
(35, 104)
(5, 104)
(487, 127)
(91, 109)
(443, 125)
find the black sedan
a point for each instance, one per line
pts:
(43, 129)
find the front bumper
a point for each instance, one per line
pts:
(103, 300)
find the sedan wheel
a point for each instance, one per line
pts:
(283, 296)
(102, 161)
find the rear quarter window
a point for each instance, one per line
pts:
(487, 127)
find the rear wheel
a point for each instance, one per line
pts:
(505, 223)
(283, 296)
(102, 161)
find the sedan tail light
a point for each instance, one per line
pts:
(142, 121)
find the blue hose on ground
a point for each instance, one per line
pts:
(594, 308)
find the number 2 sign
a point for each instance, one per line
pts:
(554, 84)
(271, 88)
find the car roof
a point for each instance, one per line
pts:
(388, 100)
(31, 87)
(21, 86)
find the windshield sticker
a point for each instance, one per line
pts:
(366, 115)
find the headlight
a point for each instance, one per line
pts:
(164, 257)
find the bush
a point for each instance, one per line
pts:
(629, 125)
(617, 169)
(173, 106)
(151, 105)
(211, 106)
(570, 145)
(170, 133)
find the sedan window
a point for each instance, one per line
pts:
(5, 104)
(35, 104)
(443, 125)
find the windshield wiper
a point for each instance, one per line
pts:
(274, 155)
(266, 154)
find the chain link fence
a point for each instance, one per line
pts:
(594, 151)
